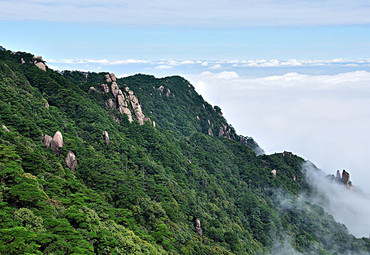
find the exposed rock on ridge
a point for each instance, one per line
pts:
(126, 102)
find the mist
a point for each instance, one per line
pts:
(350, 207)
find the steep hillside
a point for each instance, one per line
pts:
(78, 176)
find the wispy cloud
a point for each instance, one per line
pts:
(99, 61)
(221, 64)
(190, 13)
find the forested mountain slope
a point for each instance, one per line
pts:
(176, 179)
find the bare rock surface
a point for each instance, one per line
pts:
(71, 161)
(345, 178)
(198, 228)
(105, 88)
(5, 128)
(106, 137)
(41, 65)
(273, 173)
(47, 140)
(57, 142)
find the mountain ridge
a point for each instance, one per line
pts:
(172, 188)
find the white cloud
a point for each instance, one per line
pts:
(217, 66)
(99, 61)
(351, 208)
(190, 13)
(225, 75)
(323, 118)
(163, 67)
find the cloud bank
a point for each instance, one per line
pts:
(191, 13)
(351, 208)
(323, 118)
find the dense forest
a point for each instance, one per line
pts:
(180, 182)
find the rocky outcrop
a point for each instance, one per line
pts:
(107, 78)
(273, 173)
(109, 102)
(210, 132)
(5, 128)
(57, 142)
(106, 137)
(338, 175)
(198, 228)
(168, 92)
(126, 102)
(251, 143)
(115, 89)
(71, 161)
(47, 140)
(105, 88)
(161, 88)
(224, 131)
(92, 90)
(39, 62)
(136, 107)
(345, 178)
(113, 77)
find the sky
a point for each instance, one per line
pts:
(295, 75)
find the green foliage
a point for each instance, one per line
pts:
(142, 193)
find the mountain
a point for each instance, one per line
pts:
(92, 164)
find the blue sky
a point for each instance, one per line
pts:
(293, 74)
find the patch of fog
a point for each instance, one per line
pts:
(350, 207)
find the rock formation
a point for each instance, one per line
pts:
(92, 90)
(136, 107)
(71, 161)
(338, 174)
(109, 102)
(39, 62)
(198, 228)
(47, 140)
(106, 137)
(105, 88)
(273, 173)
(113, 77)
(57, 142)
(107, 78)
(161, 88)
(345, 178)
(122, 100)
(168, 92)
(224, 131)
(210, 132)
(5, 128)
